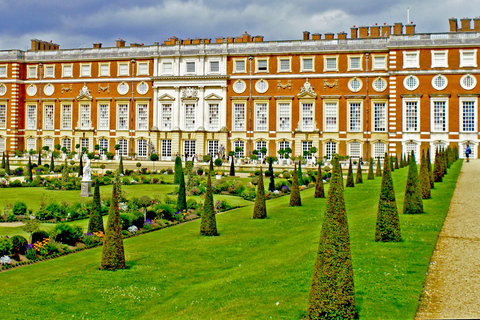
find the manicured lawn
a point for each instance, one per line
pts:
(255, 269)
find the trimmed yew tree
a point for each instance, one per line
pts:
(378, 171)
(80, 167)
(39, 162)
(387, 228)
(300, 173)
(271, 185)
(358, 176)
(295, 199)
(3, 161)
(7, 165)
(182, 196)
(178, 170)
(260, 208)
(424, 178)
(430, 171)
(413, 203)
(392, 168)
(113, 254)
(208, 225)
(120, 166)
(350, 183)
(232, 167)
(52, 163)
(29, 168)
(319, 190)
(95, 224)
(437, 168)
(370, 175)
(332, 292)
(396, 163)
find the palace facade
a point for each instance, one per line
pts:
(381, 89)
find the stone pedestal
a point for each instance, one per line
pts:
(86, 189)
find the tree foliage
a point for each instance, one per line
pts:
(208, 225)
(350, 183)
(413, 203)
(295, 199)
(260, 207)
(182, 196)
(370, 175)
(95, 224)
(319, 189)
(358, 176)
(424, 178)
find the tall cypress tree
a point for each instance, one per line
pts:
(113, 253)
(300, 173)
(437, 168)
(65, 176)
(232, 167)
(350, 183)
(392, 168)
(388, 223)
(95, 224)
(271, 185)
(52, 163)
(413, 202)
(370, 175)
(80, 167)
(7, 165)
(39, 162)
(120, 166)
(182, 197)
(430, 171)
(295, 199)
(178, 170)
(29, 168)
(260, 208)
(3, 161)
(358, 177)
(424, 178)
(332, 292)
(378, 171)
(319, 190)
(396, 163)
(208, 225)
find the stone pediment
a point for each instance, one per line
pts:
(84, 93)
(166, 97)
(213, 96)
(306, 91)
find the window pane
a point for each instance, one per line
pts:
(355, 116)
(284, 116)
(261, 116)
(142, 117)
(307, 64)
(104, 116)
(380, 116)
(122, 117)
(468, 116)
(3, 116)
(214, 66)
(189, 117)
(166, 116)
(213, 117)
(239, 116)
(307, 116)
(48, 117)
(439, 116)
(330, 116)
(411, 114)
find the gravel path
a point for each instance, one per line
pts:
(452, 289)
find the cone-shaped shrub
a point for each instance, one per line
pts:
(120, 166)
(95, 224)
(300, 173)
(437, 168)
(80, 167)
(182, 197)
(208, 225)
(358, 177)
(444, 158)
(39, 162)
(424, 178)
(7, 165)
(332, 293)
(295, 199)
(271, 185)
(430, 171)
(52, 163)
(113, 254)
(232, 167)
(3, 161)
(319, 190)
(260, 208)
(210, 169)
(65, 175)
(396, 163)
(350, 183)
(370, 175)
(378, 171)
(388, 223)
(29, 168)
(178, 170)
(413, 202)
(392, 167)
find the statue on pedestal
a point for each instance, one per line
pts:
(87, 170)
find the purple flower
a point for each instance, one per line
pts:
(148, 221)
(285, 189)
(29, 246)
(87, 234)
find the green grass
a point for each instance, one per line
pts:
(255, 269)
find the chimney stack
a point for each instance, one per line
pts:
(353, 32)
(398, 28)
(306, 35)
(120, 43)
(374, 31)
(410, 28)
(476, 24)
(453, 24)
(363, 32)
(466, 24)
(97, 45)
(386, 30)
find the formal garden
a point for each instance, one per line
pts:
(252, 253)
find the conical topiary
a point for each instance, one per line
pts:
(120, 166)
(430, 171)
(332, 292)
(80, 167)
(319, 190)
(378, 171)
(370, 175)
(260, 208)
(350, 183)
(52, 163)
(65, 174)
(295, 199)
(392, 167)
(388, 223)
(182, 196)
(7, 165)
(232, 168)
(95, 224)
(424, 178)
(413, 202)
(178, 169)
(299, 173)
(271, 185)
(208, 225)
(113, 254)
(358, 176)
(3, 161)
(437, 168)
(396, 163)
(29, 169)
(39, 162)
(210, 169)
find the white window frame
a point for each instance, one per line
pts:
(103, 115)
(432, 114)
(434, 84)
(239, 143)
(166, 149)
(282, 145)
(49, 71)
(3, 144)
(125, 72)
(190, 63)
(410, 146)
(379, 79)
(65, 73)
(325, 64)
(213, 147)
(404, 103)
(304, 116)
(190, 146)
(359, 122)
(330, 128)
(279, 64)
(330, 148)
(302, 64)
(257, 63)
(351, 83)
(142, 148)
(411, 64)
(166, 125)
(374, 63)
(439, 64)
(350, 152)
(406, 81)
(236, 68)
(67, 143)
(104, 73)
(31, 144)
(48, 142)
(355, 56)
(378, 128)
(85, 123)
(214, 116)
(143, 68)
(306, 145)
(164, 71)
(190, 117)
(241, 90)
(239, 122)
(103, 143)
(462, 79)
(461, 100)
(142, 121)
(280, 115)
(123, 120)
(261, 120)
(379, 149)
(3, 115)
(32, 118)
(210, 67)
(84, 73)
(468, 64)
(258, 146)
(32, 72)
(123, 150)
(3, 70)
(49, 119)
(84, 143)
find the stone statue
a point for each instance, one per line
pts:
(87, 170)
(152, 148)
(221, 151)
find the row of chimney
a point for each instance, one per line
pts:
(243, 38)
(465, 24)
(40, 45)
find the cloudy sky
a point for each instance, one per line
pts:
(75, 24)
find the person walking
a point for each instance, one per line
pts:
(468, 151)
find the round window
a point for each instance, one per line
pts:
(379, 84)
(411, 83)
(439, 82)
(355, 84)
(32, 90)
(142, 88)
(468, 82)
(122, 88)
(261, 86)
(49, 89)
(239, 86)
(3, 89)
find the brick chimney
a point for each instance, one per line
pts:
(246, 37)
(258, 38)
(342, 35)
(316, 36)
(410, 28)
(453, 24)
(363, 32)
(398, 28)
(374, 31)
(386, 30)
(120, 43)
(329, 36)
(465, 24)
(306, 35)
(353, 32)
(97, 45)
(476, 24)
(219, 40)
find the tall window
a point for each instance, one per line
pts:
(411, 115)
(331, 116)
(31, 144)
(330, 149)
(260, 145)
(306, 145)
(284, 117)
(282, 145)
(379, 150)
(85, 116)
(166, 116)
(48, 117)
(439, 116)
(103, 143)
(307, 116)
(239, 144)
(261, 116)
(166, 149)
(48, 142)
(31, 117)
(67, 143)
(213, 147)
(213, 117)
(190, 117)
(409, 147)
(239, 116)
(167, 68)
(380, 116)
(142, 148)
(84, 143)
(66, 116)
(142, 117)
(189, 147)
(355, 113)
(3, 116)
(123, 151)
(355, 150)
(2, 144)
(104, 117)
(122, 117)
(468, 116)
